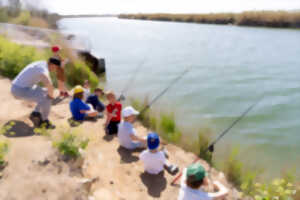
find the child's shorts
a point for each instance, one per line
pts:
(112, 128)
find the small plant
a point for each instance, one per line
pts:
(233, 168)
(168, 128)
(6, 129)
(204, 141)
(4, 147)
(69, 145)
(278, 189)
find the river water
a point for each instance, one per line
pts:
(231, 68)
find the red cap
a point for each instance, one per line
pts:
(55, 49)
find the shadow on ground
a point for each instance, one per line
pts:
(127, 155)
(15, 128)
(155, 183)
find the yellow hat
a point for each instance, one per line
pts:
(78, 89)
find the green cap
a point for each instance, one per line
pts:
(197, 171)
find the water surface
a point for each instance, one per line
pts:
(232, 67)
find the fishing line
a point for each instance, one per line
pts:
(210, 148)
(132, 79)
(165, 90)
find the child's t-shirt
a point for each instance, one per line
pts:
(115, 110)
(153, 162)
(125, 131)
(75, 106)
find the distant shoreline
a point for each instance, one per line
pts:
(87, 16)
(273, 19)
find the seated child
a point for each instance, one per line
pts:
(93, 99)
(79, 109)
(113, 109)
(154, 160)
(192, 179)
(86, 90)
(127, 134)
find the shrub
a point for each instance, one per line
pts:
(69, 145)
(3, 151)
(22, 19)
(78, 72)
(14, 57)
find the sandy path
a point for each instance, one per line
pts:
(120, 173)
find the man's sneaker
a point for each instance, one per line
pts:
(47, 125)
(172, 169)
(36, 119)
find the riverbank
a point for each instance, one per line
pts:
(275, 19)
(120, 173)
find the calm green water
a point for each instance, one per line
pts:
(232, 67)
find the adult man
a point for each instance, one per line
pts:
(25, 86)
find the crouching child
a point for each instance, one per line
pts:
(127, 135)
(155, 161)
(80, 110)
(193, 178)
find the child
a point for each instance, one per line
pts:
(113, 114)
(127, 135)
(80, 110)
(94, 100)
(87, 90)
(154, 160)
(192, 179)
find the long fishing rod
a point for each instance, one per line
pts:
(210, 148)
(165, 90)
(130, 81)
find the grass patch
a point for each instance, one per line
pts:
(4, 147)
(70, 145)
(163, 123)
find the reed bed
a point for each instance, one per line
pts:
(276, 19)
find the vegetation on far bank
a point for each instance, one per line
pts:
(26, 13)
(277, 19)
(247, 180)
(14, 57)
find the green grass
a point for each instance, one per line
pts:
(14, 57)
(163, 123)
(4, 147)
(69, 144)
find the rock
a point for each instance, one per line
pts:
(44, 163)
(87, 183)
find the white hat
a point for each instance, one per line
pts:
(128, 111)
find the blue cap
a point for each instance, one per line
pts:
(153, 141)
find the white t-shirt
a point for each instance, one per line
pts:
(86, 93)
(125, 130)
(153, 162)
(187, 193)
(32, 74)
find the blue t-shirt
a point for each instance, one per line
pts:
(76, 106)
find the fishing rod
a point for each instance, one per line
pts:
(165, 90)
(133, 77)
(211, 147)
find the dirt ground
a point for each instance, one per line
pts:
(35, 172)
